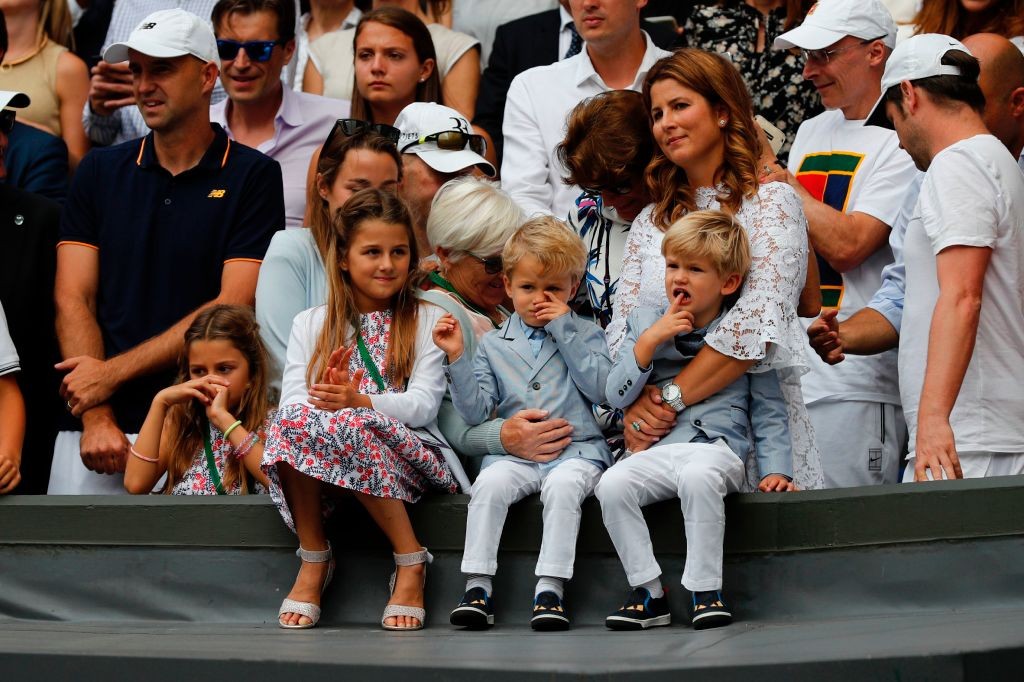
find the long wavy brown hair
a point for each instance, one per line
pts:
(715, 79)
(409, 24)
(187, 423)
(948, 17)
(341, 323)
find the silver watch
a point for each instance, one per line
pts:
(673, 395)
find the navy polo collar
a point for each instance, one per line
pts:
(215, 157)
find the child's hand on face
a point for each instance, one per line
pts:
(550, 309)
(203, 389)
(217, 410)
(338, 390)
(775, 483)
(448, 336)
(674, 322)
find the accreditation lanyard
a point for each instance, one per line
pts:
(447, 286)
(211, 464)
(369, 364)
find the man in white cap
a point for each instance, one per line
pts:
(437, 144)
(153, 230)
(964, 255)
(853, 181)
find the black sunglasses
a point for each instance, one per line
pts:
(492, 265)
(7, 117)
(621, 190)
(257, 50)
(453, 140)
(353, 126)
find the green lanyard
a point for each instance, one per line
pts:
(447, 286)
(369, 364)
(211, 464)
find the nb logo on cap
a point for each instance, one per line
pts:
(147, 26)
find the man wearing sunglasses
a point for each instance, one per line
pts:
(256, 41)
(854, 181)
(152, 231)
(437, 144)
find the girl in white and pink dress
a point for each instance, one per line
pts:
(359, 399)
(205, 432)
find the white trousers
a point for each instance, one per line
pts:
(562, 490)
(68, 476)
(979, 465)
(861, 443)
(700, 475)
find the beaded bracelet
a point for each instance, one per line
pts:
(246, 445)
(227, 431)
(151, 460)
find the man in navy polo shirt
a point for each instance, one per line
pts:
(152, 230)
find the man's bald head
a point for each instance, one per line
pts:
(1002, 81)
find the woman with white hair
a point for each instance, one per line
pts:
(470, 220)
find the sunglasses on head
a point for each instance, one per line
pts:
(453, 140)
(256, 50)
(492, 265)
(7, 117)
(353, 126)
(621, 190)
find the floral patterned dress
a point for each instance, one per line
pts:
(774, 77)
(357, 449)
(197, 479)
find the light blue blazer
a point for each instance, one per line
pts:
(754, 402)
(566, 378)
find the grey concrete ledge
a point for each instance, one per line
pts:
(757, 523)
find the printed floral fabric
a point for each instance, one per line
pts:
(197, 480)
(774, 77)
(357, 449)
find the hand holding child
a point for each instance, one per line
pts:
(338, 390)
(448, 336)
(550, 309)
(775, 483)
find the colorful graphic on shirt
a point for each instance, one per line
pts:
(828, 176)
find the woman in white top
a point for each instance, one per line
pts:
(708, 158)
(456, 56)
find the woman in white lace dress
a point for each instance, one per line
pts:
(708, 159)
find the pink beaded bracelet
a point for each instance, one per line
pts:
(246, 445)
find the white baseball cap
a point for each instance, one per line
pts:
(420, 120)
(916, 57)
(829, 21)
(166, 34)
(13, 99)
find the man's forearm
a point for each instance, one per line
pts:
(867, 332)
(951, 338)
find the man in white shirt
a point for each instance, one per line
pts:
(256, 40)
(964, 252)
(852, 180)
(617, 56)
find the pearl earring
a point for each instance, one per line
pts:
(721, 123)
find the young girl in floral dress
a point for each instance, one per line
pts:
(359, 398)
(205, 430)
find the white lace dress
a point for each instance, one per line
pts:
(763, 325)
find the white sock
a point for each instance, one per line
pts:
(550, 584)
(654, 587)
(483, 581)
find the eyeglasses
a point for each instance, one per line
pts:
(621, 190)
(7, 117)
(492, 265)
(257, 50)
(824, 56)
(353, 126)
(453, 140)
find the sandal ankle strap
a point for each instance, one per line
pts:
(413, 558)
(314, 556)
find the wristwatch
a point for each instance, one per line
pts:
(673, 395)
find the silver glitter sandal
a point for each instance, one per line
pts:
(305, 608)
(392, 610)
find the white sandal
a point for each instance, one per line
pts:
(305, 608)
(392, 610)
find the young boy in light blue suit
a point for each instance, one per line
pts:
(702, 459)
(543, 357)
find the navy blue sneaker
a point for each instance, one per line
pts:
(549, 613)
(709, 611)
(475, 611)
(640, 612)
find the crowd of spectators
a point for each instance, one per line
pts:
(211, 188)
